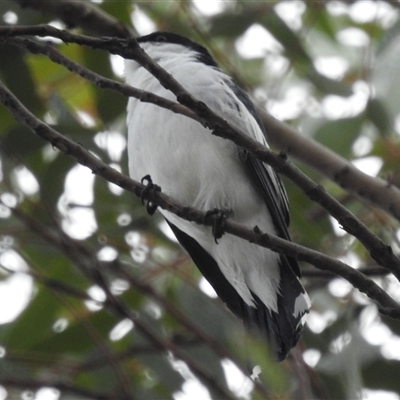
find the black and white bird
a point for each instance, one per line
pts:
(207, 172)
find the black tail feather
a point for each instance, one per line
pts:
(281, 328)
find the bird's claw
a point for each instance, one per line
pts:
(149, 186)
(219, 222)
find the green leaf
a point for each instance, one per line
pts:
(300, 58)
(379, 115)
(321, 20)
(19, 143)
(79, 336)
(109, 104)
(118, 9)
(325, 84)
(157, 361)
(339, 135)
(53, 180)
(290, 40)
(16, 75)
(231, 25)
(389, 36)
(33, 325)
(212, 316)
(387, 377)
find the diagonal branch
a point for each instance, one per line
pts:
(379, 251)
(83, 257)
(376, 191)
(368, 271)
(93, 268)
(105, 83)
(82, 156)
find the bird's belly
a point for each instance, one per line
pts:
(189, 164)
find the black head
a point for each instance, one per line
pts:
(202, 56)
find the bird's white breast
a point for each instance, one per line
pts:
(202, 170)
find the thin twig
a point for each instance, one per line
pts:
(105, 83)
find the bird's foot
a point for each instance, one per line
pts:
(219, 221)
(149, 186)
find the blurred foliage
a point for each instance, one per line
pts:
(329, 68)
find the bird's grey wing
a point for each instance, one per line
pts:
(293, 301)
(268, 182)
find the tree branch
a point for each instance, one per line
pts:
(380, 193)
(102, 82)
(82, 156)
(371, 271)
(93, 269)
(83, 258)
(164, 344)
(83, 14)
(378, 250)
